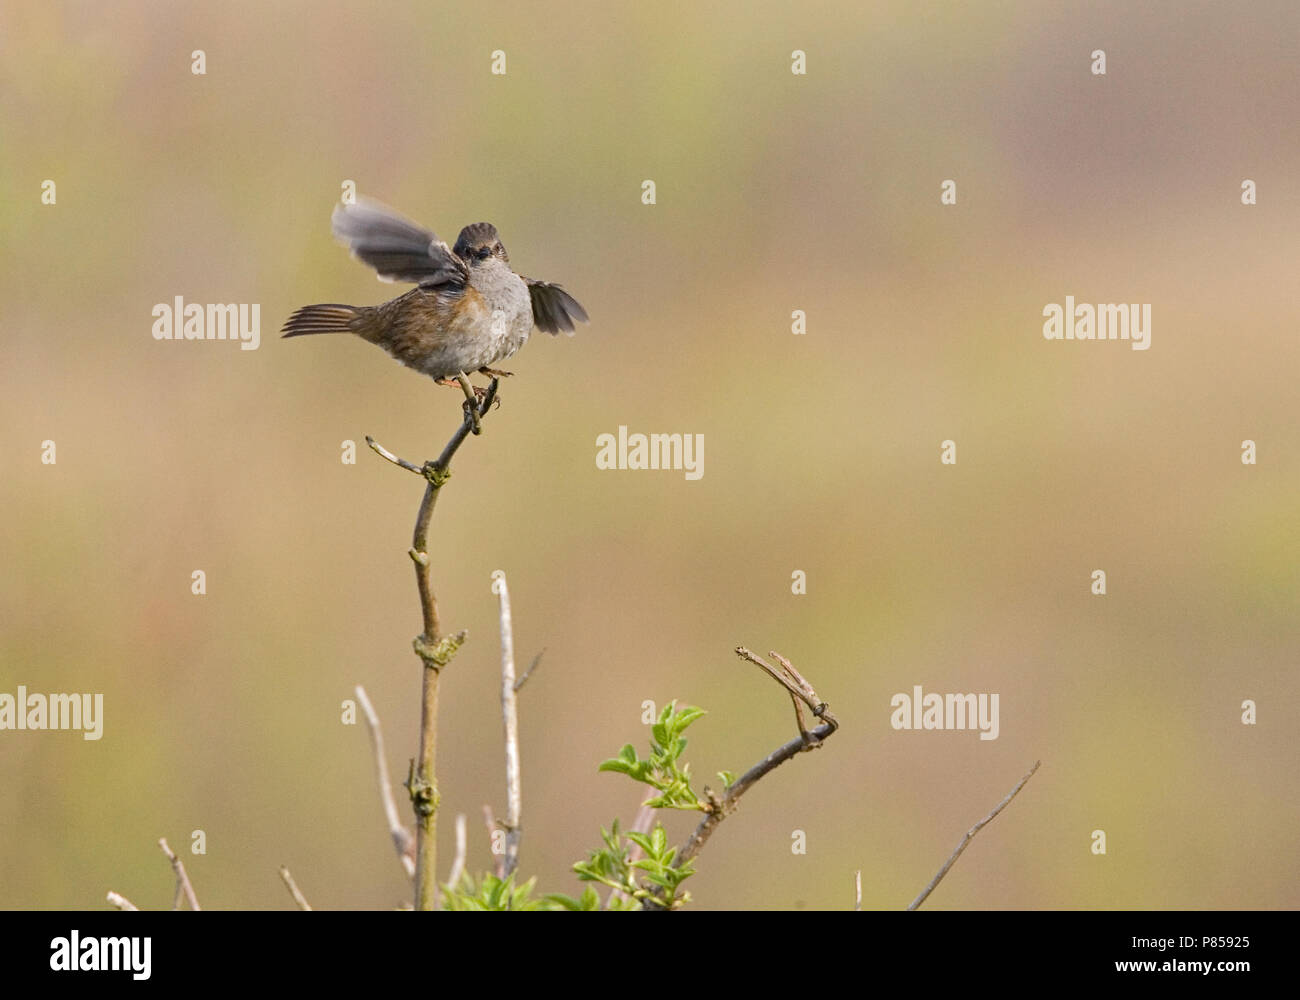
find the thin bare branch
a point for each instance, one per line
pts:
(775, 674)
(798, 716)
(800, 689)
(498, 860)
(787, 677)
(434, 649)
(294, 891)
(807, 689)
(970, 834)
(183, 887)
(529, 672)
(458, 862)
(121, 902)
(510, 722)
(403, 840)
(402, 463)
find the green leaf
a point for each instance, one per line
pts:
(643, 772)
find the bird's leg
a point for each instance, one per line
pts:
(473, 395)
(480, 392)
(494, 372)
(454, 383)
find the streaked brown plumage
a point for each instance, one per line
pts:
(468, 311)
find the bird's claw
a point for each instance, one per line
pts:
(472, 410)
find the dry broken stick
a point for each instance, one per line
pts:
(183, 887)
(970, 834)
(403, 841)
(434, 649)
(510, 723)
(458, 861)
(294, 891)
(498, 860)
(802, 694)
(184, 890)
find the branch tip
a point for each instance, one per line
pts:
(970, 835)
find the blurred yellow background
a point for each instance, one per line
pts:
(775, 192)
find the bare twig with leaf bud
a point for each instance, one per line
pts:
(434, 649)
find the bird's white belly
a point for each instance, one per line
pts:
(480, 337)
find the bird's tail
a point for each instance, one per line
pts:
(328, 317)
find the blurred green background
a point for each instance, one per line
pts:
(776, 192)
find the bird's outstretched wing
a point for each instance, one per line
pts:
(395, 247)
(554, 309)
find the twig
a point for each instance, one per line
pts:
(121, 902)
(970, 834)
(183, 887)
(294, 891)
(402, 463)
(510, 721)
(403, 841)
(498, 860)
(857, 890)
(434, 649)
(800, 690)
(458, 862)
(529, 672)
(787, 677)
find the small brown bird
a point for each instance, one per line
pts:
(468, 310)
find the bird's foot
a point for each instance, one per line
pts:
(474, 394)
(473, 401)
(479, 391)
(480, 394)
(494, 372)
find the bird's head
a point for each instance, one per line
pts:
(479, 243)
